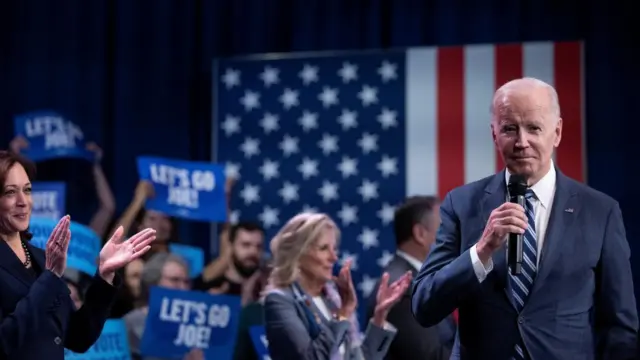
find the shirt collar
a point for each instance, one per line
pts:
(417, 264)
(544, 188)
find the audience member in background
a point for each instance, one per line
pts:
(136, 216)
(308, 316)
(107, 204)
(252, 313)
(132, 275)
(129, 294)
(247, 247)
(415, 224)
(218, 266)
(164, 270)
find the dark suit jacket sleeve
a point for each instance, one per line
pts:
(288, 336)
(413, 341)
(87, 322)
(17, 328)
(616, 313)
(447, 275)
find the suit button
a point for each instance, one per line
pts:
(57, 340)
(520, 320)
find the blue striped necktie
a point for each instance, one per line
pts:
(522, 283)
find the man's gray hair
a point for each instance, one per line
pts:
(528, 83)
(152, 272)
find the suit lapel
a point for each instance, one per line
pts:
(496, 195)
(564, 211)
(402, 264)
(10, 262)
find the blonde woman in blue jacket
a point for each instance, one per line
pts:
(309, 313)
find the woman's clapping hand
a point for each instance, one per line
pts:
(347, 291)
(389, 295)
(57, 245)
(118, 252)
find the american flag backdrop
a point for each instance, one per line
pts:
(352, 134)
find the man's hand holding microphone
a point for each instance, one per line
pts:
(508, 218)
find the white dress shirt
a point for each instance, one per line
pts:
(544, 190)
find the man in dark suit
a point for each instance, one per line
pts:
(574, 298)
(415, 224)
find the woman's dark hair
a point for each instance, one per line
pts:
(173, 236)
(7, 161)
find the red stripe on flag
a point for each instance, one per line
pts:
(450, 102)
(508, 66)
(568, 83)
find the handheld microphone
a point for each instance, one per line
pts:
(517, 190)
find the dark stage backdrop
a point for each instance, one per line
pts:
(136, 75)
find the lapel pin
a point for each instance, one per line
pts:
(569, 210)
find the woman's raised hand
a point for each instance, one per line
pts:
(57, 245)
(389, 294)
(118, 252)
(347, 291)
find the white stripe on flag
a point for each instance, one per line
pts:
(421, 132)
(479, 70)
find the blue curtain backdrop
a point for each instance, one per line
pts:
(136, 75)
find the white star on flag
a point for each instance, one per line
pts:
(250, 147)
(368, 95)
(269, 123)
(348, 72)
(328, 96)
(348, 214)
(250, 100)
(289, 145)
(308, 74)
(231, 125)
(270, 76)
(368, 238)
(289, 98)
(388, 71)
(348, 166)
(231, 78)
(328, 144)
(366, 285)
(269, 170)
(348, 119)
(387, 118)
(368, 142)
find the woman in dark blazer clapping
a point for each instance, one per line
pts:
(37, 317)
(309, 314)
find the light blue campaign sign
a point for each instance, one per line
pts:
(51, 136)
(260, 343)
(179, 321)
(112, 344)
(188, 189)
(49, 199)
(194, 256)
(84, 246)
